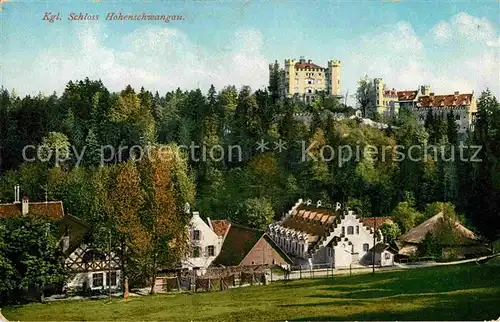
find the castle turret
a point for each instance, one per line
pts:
(334, 77)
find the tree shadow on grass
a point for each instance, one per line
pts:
(453, 309)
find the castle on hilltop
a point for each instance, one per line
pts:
(304, 80)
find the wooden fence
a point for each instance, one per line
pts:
(215, 279)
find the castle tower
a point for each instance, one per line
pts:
(334, 77)
(378, 83)
(289, 76)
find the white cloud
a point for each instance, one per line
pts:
(442, 31)
(154, 57)
(459, 54)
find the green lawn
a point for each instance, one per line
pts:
(465, 292)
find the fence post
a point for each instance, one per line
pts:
(300, 270)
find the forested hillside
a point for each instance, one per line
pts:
(258, 187)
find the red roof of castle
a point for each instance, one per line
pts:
(407, 95)
(307, 65)
(444, 100)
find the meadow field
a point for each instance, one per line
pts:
(461, 292)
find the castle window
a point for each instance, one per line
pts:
(350, 230)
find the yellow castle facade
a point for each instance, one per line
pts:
(304, 80)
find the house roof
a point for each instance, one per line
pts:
(75, 228)
(239, 242)
(220, 227)
(380, 247)
(417, 234)
(49, 210)
(450, 101)
(379, 221)
(315, 222)
(307, 65)
(407, 95)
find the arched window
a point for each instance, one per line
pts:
(350, 230)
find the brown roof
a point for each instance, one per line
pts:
(239, 242)
(417, 234)
(370, 222)
(444, 100)
(407, 95)
(220, 227)
(391, 92)
(49, 210)
(304, 65)
(316, 222)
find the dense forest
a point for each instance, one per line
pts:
(261, 185)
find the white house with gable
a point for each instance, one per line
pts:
(331, 237)
(205, 244)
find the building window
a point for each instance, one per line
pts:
(196, 235)
(366, 247)
(343, 230)
(350, 230)
(457, 117)
(196, 252)
(211, 250)
(97, 279)
(253, 263)
(387, 256)
(309, 91)
(357, 230)
(111, 282)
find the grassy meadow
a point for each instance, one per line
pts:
(462, 292)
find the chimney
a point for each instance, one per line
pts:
(196, 214)
(25, 206)
(431, 94)
(457, 92)
(16, 194)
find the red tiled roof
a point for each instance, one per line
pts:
(391, 92)
(407, 95)
(444, 100)
(49, 210)
(307, 66)
(220, 227)
(370, 222)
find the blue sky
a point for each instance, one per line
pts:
(450, 45)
